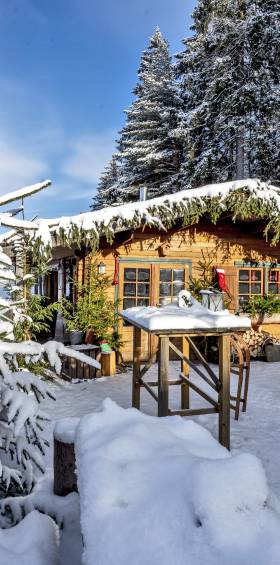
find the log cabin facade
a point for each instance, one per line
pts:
(151, 263)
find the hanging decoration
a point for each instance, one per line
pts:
(116, 272)
(221, 279)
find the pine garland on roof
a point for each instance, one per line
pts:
(242, 199)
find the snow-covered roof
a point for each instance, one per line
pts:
(243, 198)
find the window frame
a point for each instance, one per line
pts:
(265, 269)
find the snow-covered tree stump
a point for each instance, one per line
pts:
(64, 461)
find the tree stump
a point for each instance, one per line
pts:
(64, 464)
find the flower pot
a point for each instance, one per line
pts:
(91, 338)
(76, 337)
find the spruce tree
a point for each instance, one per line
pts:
(150, 153)
(229, 74)
(107, 189)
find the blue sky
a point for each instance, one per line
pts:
(67, 71)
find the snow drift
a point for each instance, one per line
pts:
(163, 491)
(32, 542)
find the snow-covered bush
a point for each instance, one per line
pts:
(21, 418)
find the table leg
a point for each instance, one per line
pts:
(163, 366)
(185, 391)
(136, 367)
(224, 394)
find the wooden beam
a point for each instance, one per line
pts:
(148, 365)
(171, 382)
(199, 391)
(203, 362)
(193, 366)
(194, 412)
(136, 367)
(224, 393)
(185, 369)
(163, 366)
(149, 389)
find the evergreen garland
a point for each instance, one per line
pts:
(252, 199)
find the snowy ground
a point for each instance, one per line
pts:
(256, 432)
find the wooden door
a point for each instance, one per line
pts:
(135, 289)
(170, 278)
(148, 284)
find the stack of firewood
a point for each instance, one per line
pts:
(256, 340)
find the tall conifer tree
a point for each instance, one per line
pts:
(229, 73)
(149, 151)
(107, 189)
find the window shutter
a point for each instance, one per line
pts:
(231, 295)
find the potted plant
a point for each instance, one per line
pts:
(94, 313)
(263, 309)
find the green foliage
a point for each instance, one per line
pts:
(36, 316)
(93, 310)
(264, 305)
(206, 278)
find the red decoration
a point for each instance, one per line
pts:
(221, 279)
(274, 276)
(116, 273)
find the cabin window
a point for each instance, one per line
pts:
(250, 283)
(136, 287)
(273, 281)
(171, 282)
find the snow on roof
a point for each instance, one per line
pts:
(174, 318)
(259, 199)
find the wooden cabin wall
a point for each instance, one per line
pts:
(227, 244)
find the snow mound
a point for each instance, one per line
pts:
(34, 541)
(164, 491)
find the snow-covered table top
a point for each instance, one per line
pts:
(195, 319)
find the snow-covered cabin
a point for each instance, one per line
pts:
(150, 249)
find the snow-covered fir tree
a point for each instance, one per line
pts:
(108, 188)
(150, 153)
(22, 441)
(229, 74)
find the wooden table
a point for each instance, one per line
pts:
(220, 384)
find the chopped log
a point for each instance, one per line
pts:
(64, 465)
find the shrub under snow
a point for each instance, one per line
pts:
(32, 542)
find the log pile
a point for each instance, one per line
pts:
(256, 340)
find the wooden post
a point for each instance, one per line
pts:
(163, 366)
(185, 391)
(224, 394)
(136, 367)
(65, 480)
(108, 364)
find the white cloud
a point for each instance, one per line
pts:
(88, 157)
(18, 167)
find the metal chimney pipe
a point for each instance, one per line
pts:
(143, 193)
